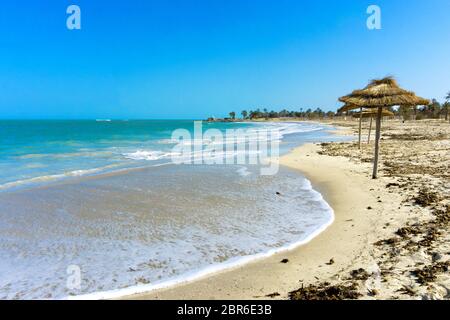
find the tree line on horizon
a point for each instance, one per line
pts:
(435, 110)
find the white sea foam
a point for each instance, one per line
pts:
(243, 172)
(277, 130)
(217, 267)
(148, 155)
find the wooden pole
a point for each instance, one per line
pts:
(377, 143)
(360, 127)
(447, 106)
(370, 130)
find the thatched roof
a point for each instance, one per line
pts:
(347, 107)
(368, 114)
(383, 93)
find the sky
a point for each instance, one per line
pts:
(167, 59)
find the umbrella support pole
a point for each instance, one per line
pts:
(377, 143)
(370, 130)
(360, 128)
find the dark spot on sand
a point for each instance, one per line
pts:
(407, 290)
(407, 231)
(390, 241)
(142, 280)
(436, 256)
(360, 274)
(273, 295)
(389, 185)
(330, 262)
(372, 292)
(284, 261)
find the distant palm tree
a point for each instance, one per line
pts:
(233, 115)
(447, 105)
(244, 114)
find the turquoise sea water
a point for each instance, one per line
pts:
(42, 151)
(104, 196)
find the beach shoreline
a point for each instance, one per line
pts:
(268, 276)
(353, 250)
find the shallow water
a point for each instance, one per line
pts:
(148, 223)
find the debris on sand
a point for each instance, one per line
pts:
(326, 291)
(392, 184)
(426, 197)
(430, 237)
(360, 274)
(372, 292)
(142, 280)
(273, 295)
(405, 232)
(442, 216)
(407, 290)
(436, 256)
(389, 241)
(331, 262)
(412, 252)
(284, 261)
(430, 272)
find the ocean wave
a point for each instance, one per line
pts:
(54, 177)
(207, 154)
(150, 155)
(65, 155)
(275, 130)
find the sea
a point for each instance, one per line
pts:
(98, 208)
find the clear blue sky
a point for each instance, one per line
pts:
(196, 58)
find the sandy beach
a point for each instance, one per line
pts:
(390, 236)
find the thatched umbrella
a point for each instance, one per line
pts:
(363, 114)
(371, 114)
(381, 94)
(349, 107)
